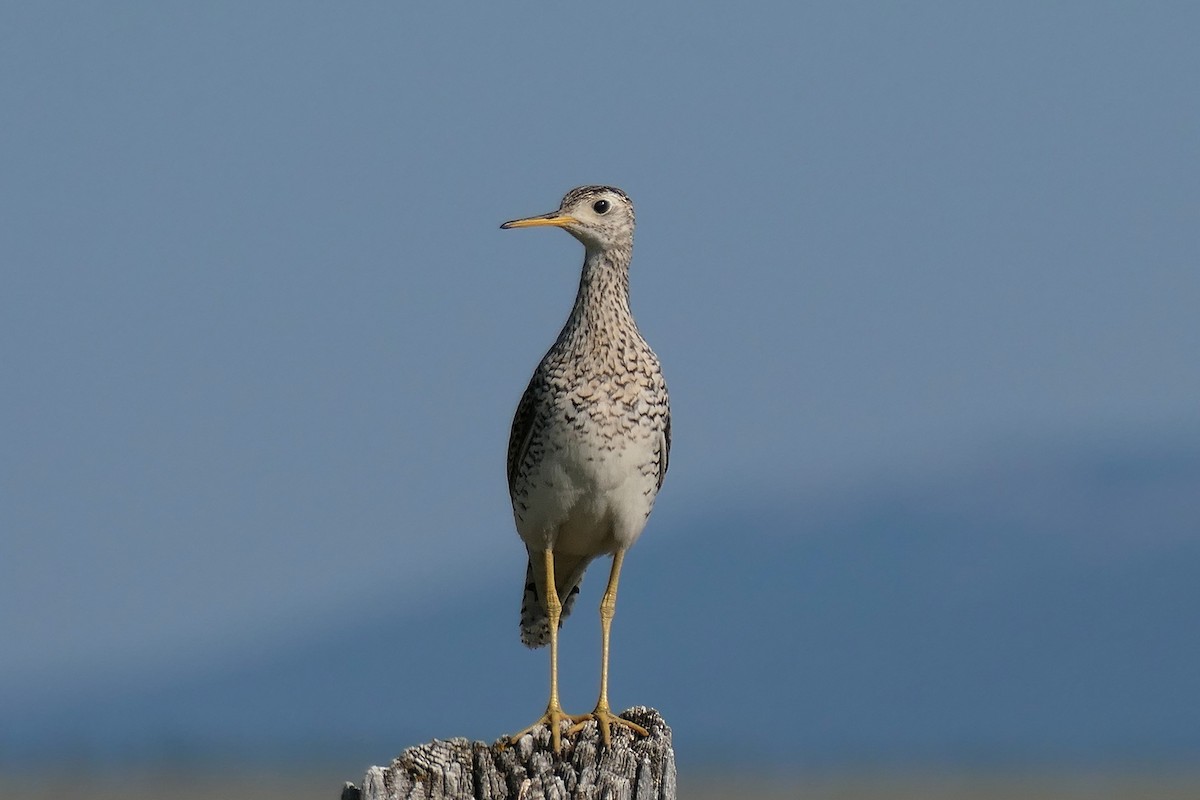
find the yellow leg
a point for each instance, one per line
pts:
(554, 715)
(608, 608)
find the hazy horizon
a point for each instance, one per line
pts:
(264, 337)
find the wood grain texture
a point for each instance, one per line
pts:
(641, 768)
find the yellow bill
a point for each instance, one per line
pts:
(555, 219)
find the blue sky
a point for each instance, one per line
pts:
(263, 336)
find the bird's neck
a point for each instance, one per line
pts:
(603, 299)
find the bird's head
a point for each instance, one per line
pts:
(599, 216)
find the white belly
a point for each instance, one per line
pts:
(588, 496)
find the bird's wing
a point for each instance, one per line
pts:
(522, 430)
(664, 449)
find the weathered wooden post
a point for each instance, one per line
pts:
(641, 768)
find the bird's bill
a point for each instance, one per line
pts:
(555, 219)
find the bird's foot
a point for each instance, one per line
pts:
(554, 717)
(605, 719)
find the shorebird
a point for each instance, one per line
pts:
(589, 443)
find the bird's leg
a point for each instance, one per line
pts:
(608, 608)
(554, 713)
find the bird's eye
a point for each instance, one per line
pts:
(601, 206)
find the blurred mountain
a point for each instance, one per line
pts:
(1038, 611)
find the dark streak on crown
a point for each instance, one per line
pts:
(580, 192)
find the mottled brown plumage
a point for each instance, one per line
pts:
(591, 435)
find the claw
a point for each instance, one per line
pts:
(554, 717)
(604, 720)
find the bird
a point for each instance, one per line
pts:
(589, 445)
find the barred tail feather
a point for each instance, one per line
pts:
(535, 624)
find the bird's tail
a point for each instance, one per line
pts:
(568, 574)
